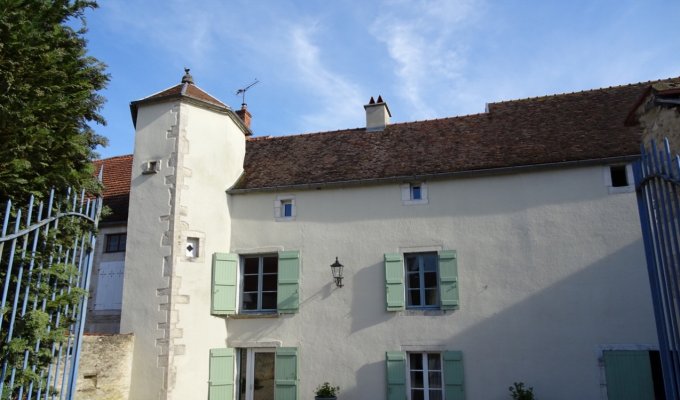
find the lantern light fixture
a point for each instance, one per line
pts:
(336, 269)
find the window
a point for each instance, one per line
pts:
(619, 178)
(284, 208)
(259, 283)
(414, 193)
(255, 371)
(425, 376)
(421, 280)
(115, 243)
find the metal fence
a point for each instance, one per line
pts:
(46, 252)
(657, 183)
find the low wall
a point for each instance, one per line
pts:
(105, 367)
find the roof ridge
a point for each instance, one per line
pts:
(113, 157)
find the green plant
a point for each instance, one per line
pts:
(326, 390)
(519, 392)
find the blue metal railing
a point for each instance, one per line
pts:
(30, 285)
(657, 183)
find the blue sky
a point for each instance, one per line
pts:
(318, 62)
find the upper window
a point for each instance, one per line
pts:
(619, 178)
(422, 282)
(259, 283)
(425, 376)
(414, 193)
(284, 208)
(115, 243)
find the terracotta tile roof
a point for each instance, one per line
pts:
(116, 180)
(587, 125)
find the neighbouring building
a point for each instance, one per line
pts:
(478, 251)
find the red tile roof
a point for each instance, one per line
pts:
(116, 180)
(581, 126)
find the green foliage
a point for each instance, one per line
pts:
(48, 98)
(519, 392)
(326, 390)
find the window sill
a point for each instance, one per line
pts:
(254, 315)
(620, 189)
(414, 202)
(423, 312)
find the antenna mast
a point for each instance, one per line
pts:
(243, 91)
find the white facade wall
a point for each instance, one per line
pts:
(551, 268)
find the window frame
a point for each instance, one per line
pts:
(280, 204)
(426, 374)
(408, 191)
(260, 283)
(608, 181)
(117, 248)
(422, 289)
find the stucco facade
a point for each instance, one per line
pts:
(550, 265)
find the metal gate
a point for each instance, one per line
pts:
(657, 183)
(46, 252)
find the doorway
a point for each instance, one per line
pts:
(256, 374)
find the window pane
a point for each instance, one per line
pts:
(415, 193)
(433, 361)
(250, 301)
(251, 265)
(242, 374)
(414, 281)
(430, 262)
(417, 379)
(416, 361)
(269, 282)
(269, 301)
(270, 264)
(414, 297)
(263, 385)
(431, 297)
(430, 279)
(417, 395)
(435, 395)
(121, 242)
(412, 263)
(250, 283)
(435, 380)
(287, 208)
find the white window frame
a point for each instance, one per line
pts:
(279, 207)
(421, 280)
(426, 373)
(407, 197)
(260, 281)
(611, 189)
(250, 368)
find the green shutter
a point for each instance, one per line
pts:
(448, 279)
(286, 374)
(221, 383)
(453, 375)
(629, 375)
(224, 274)
(288, 291)
(394, 282)
(396, 375)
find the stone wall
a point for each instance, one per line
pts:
(105, 367)
(659, 122)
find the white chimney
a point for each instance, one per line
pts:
(377, 115)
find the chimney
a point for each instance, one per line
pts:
(244, 115)
(377, 114)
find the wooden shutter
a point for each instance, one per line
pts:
(221, 382)
(629, 375)
(288, 291)
(109, 291)
(224, 283)
(453, 375)
(394, 282)
(448, 279)
(396, 375)
(286, 374)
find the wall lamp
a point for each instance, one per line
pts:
(336, 269)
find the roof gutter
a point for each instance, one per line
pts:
(436, 176)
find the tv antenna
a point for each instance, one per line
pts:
(243, 91)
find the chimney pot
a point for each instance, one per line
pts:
(377, 115)
(245, 116)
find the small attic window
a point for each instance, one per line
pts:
(284, 208)
(414, 193)
(619, 178)
(618, 175)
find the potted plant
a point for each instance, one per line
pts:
(326, 392)
(520, 392)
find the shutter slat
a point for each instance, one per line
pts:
(453, 375)
(396, 375)
(394, 282)
(221, 383)
(448, 280)
(286, 374)
(288, 289)
(628, 374)
(224, 276)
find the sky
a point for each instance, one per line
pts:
(319, 62)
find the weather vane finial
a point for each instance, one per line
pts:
(187, 78)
